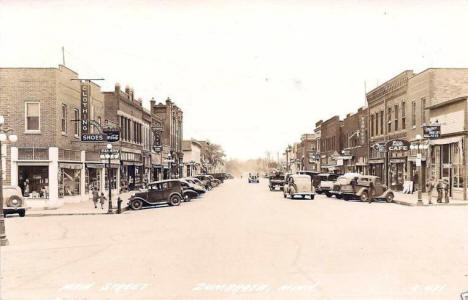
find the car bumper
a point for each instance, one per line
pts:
(12, 210)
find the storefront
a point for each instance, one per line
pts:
(131, 171)
(69, 176)
(396, 173)
(446, 157)
(93, 175)
(34, 181)
(377, 168)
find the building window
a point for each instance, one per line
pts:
(423, 111)
(413, 114)
(396, 117)
(372, 125)
(99, 120)
(377, 123)
(64, 118)
(33, 116)
(76, 122)
(381, 122)
(389, 120)
(403, 115)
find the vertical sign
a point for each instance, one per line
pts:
(363, 130)
(85, 94)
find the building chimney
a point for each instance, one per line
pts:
(117, 88)
(127, 90)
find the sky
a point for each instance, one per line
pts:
(251, 76)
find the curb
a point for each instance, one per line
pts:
(79, 214)
(433, 204)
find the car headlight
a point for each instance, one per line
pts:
(14, 201)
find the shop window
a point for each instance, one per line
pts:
(34, 181)
(69, 182)
(396, 117)
(33, 115)
(423, 111)
(376, 124)
(389, 120)
(381, 122)
(372, 125)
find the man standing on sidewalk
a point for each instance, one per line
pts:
(95, 196)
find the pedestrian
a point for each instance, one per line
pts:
(95, 196)
(102, 200)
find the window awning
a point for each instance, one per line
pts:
(70, 166)
(444, 141)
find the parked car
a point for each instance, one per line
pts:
(219, 176)
(313, 176)
(286, 186)
(205, 181)
(188, 190)
(196, 185)
(366, 188)
(164, 191)
(298, 185)
(325, 183)
(13, 201)
(253, 178)
(214, 182)
(276, 181)
(342, 182)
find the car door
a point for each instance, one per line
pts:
(378, 187)
(152, 193)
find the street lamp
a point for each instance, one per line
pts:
(419, 146)
(4, 137)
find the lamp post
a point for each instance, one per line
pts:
(109, 156)
(419, 146)
(3, 138)
(169, 169)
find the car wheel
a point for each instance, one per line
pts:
(22, 213)
(364, 197)
(187, 198)
(174, 200)
(14, 201)
(390, 197)
(328, 194)
(346, 197)
(136, 204)
(338, 196)
(319, 192)
(312, 197)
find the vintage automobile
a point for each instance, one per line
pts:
(214, 182)
(342, 181)
(253, 178)
(276, 181)
(188, 190)
(298, 185)
(196, 185)
(365, 188)
(205, 181)
(164, 191)
(324, 183)
(219, 176)
(13, 202)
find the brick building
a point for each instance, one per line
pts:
(306, 153)
(354, 142)
(49, 163)
(192, 157)
(330, 144)
(398, 110)
(171, 117)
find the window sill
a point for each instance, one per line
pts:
(64, 134)
(32, 132)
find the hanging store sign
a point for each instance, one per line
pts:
(397, 145)
(85, 96)
(431, 131)
(379, 147)
(112, 135)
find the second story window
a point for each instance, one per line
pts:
(413, 114)
(381, 122)
(64, 118)
(423, 111)
(403, 115)
(33, 116)
(389, 120)
(372, 125)
(377, 123)
(396, 117)
(76, 122)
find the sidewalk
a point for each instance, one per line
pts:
(412, 200)
(81, 208)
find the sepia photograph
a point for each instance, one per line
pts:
(233, 150)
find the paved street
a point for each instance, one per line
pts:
(241, 241)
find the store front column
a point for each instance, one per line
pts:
(53, 178)
(83, 177)
(117, 178)
(102, 183)
(14, 166)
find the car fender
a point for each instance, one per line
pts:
(192, 193)
(175, 193)
(384, 195)
(139, 198)
(361, 191)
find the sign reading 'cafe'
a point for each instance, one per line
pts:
(397, 145)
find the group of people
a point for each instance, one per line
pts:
(98, 198)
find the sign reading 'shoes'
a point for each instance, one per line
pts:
(397, 145)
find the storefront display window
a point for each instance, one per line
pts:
(69, 181)
(34, 181)
(92, 179)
